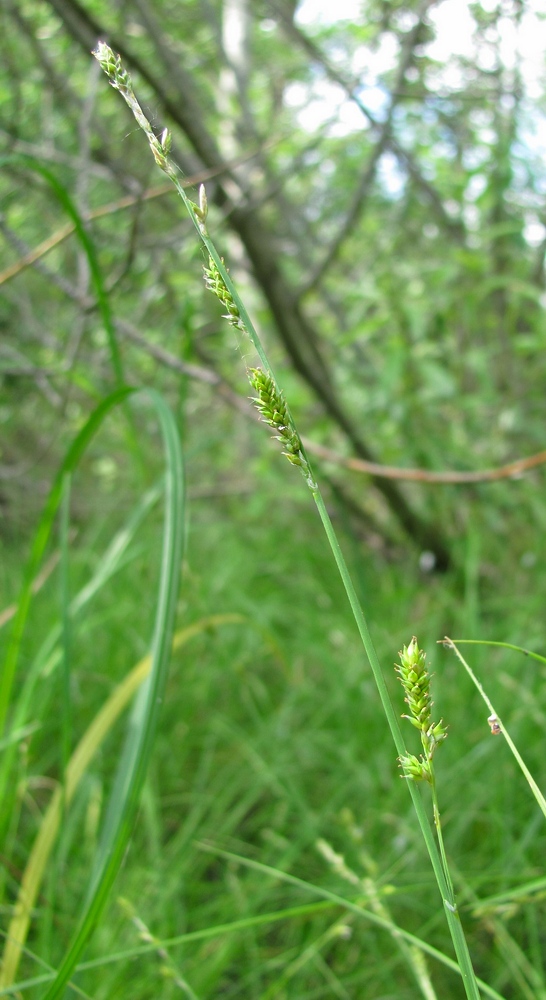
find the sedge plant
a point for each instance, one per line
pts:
(134, 759)
(272, 405)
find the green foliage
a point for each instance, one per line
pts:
(404, 312)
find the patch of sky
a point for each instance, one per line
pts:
(311, 13)
(390, 177)
(530, 148)
(316, 103)
(486, 59)
(445, 79)
(505, 43)
(296, 94)
(481, 117)
(507, 50)
(376, 100)
(507, 102)
(518, 44)
(349, 120)
(540, 186)
(454, 28)
(532, 134)
(474, 158)
(325, 103)
(534, 232)
(428, 115)
(487, 136)
(527, 171)
(370, 63)
(532, 43)
(475, 187)
(405, 20)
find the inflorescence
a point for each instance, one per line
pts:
(120, 80)
(272, 406)
(216, 284)
(270, 400)
(415, 680)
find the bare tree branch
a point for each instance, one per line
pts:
(384, 138)
(513, 470)
(176, 91)
(210, 377)
(405, 158)
(119, 205)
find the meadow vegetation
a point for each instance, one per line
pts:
(200, 792)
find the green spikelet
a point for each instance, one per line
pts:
(120, 80)
(415, 680)
(216, 284)
(272, 406)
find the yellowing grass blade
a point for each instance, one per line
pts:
(78, 764)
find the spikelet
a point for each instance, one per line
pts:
(415, 680)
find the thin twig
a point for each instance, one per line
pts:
(512, 470)
(405, 158)
(363, 188)
(211, 377)
(375, 469)
(115, 206)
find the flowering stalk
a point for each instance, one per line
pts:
(270, 399)
(415, 680)
(274, 410)
(120, 80)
